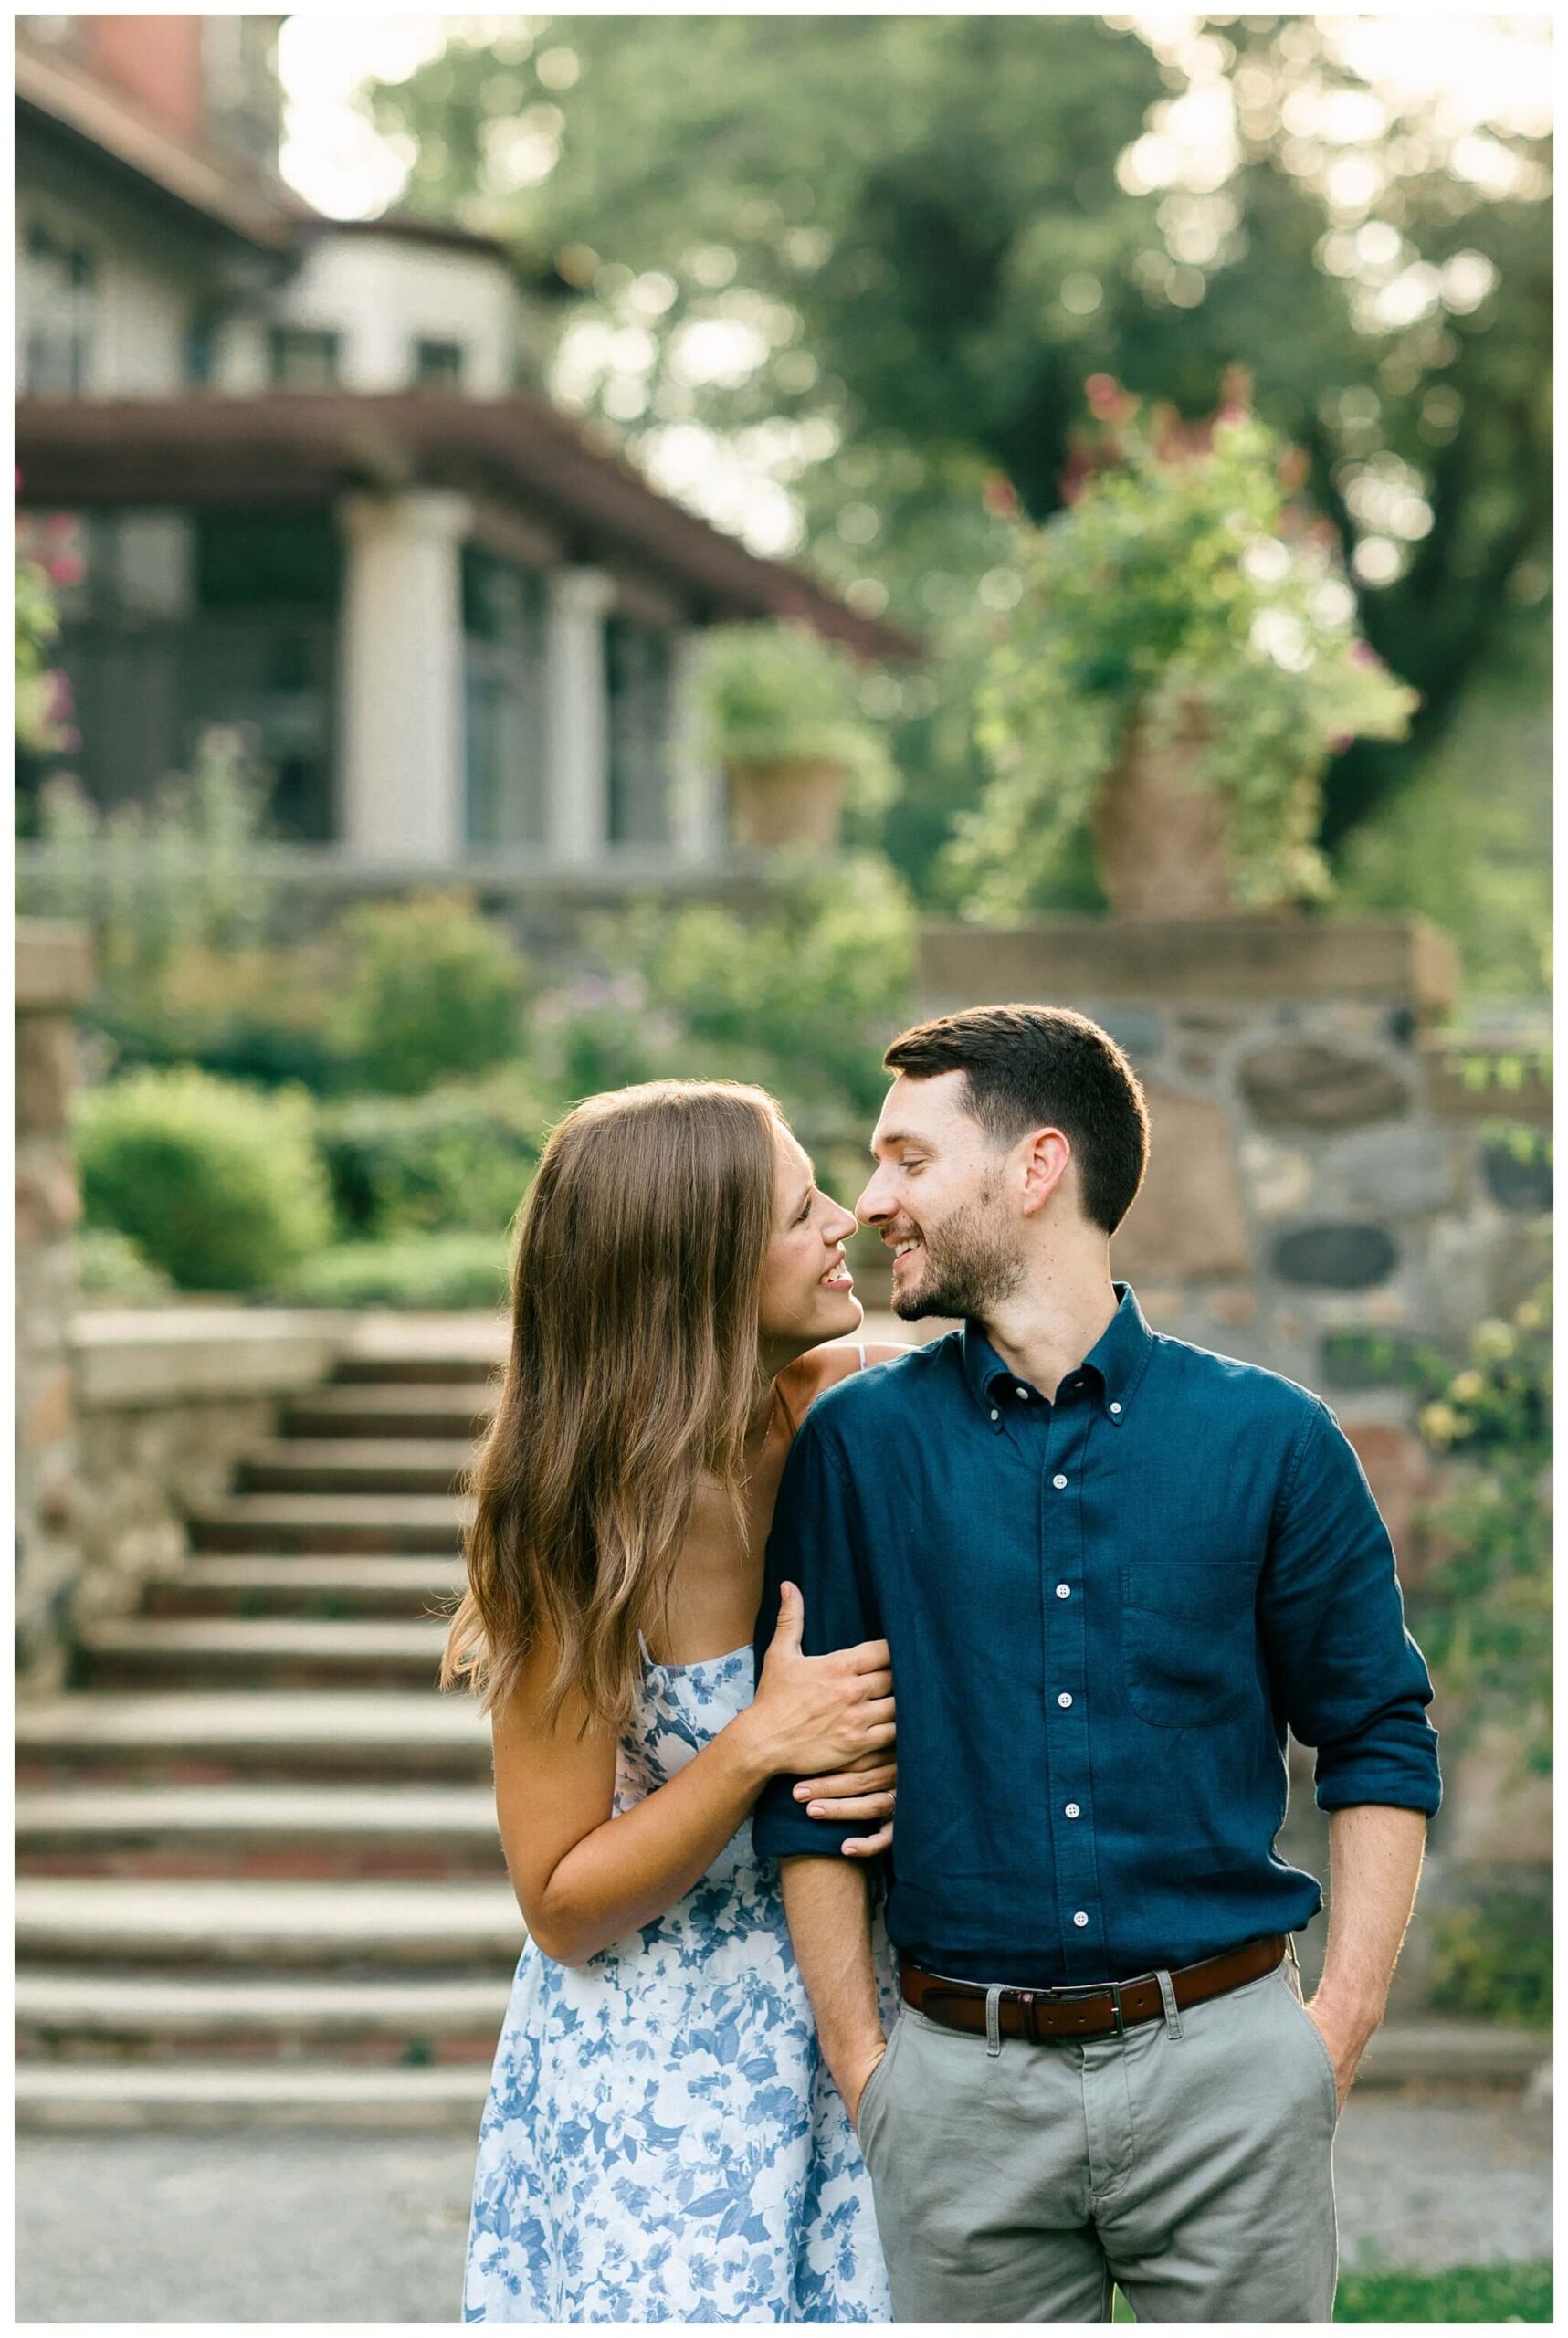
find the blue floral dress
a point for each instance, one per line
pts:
(662, 2140)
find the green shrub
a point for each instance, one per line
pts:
(1484, 1611)
(108, 1269)
(457, 1158)
(434, 1270)
(1492, 1960)
(256, 1013)
(812, 991)
(434, 992)
(218, 1185)
(151, 878)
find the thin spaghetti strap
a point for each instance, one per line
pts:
(789, 1417)
(860, 1351)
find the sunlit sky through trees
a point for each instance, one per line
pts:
(1412, 91)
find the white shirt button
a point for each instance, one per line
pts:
(1024, 1395)
(1058, 1482)
(995, 1414)
(1080, 1920)
(1116, 1408)
(1064, 1699)
(1072, 1810)
(1064, 1590)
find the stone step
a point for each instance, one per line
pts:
(453, 1927)
(390, 1408)
(375, 1524)
(322, 1585)
(303, 1833)
(350, 1465)
(212, 1736)
(59, 2096)
(64, 2016)
(411, 1363)
(164, 1650)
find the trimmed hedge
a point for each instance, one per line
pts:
(217, 1184)
(434, 1270)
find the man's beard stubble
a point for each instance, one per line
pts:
(967, 1267)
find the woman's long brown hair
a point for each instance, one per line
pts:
(633, 1370)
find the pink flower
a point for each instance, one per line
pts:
(1366, 654)
(1001, 497)
(65, 568)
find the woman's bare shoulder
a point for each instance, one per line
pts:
(812, 1375)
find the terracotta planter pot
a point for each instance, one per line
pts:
(1160, 842)
(786, 804)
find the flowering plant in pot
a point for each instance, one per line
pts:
(781, 711)
(1182, 667)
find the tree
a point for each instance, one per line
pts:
(878, 257)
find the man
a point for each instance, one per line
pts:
(1114, 1572)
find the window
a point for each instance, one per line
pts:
(638, 658)
(58, 298)
(437, 365)
(504, 711)
(304, 358)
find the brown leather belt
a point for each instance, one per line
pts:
(1104, 2010)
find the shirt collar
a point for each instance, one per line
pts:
(1117, 1359)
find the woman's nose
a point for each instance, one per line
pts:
(838, 1225)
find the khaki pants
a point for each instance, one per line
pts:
(1189, 2161)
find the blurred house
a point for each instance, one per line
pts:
(322, 494)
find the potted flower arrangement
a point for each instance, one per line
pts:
(782, 713)
(1183, 665)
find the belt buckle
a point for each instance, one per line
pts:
(1096, 1989)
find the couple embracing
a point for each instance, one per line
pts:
(777, 2050)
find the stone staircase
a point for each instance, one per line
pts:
(258, 1877)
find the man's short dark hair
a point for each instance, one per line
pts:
(1044, 1067)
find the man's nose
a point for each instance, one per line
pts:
(873, 1205)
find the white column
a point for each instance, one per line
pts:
(578, 732)
(400, 753)
(697, 812)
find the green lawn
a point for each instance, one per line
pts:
(1466, 2293)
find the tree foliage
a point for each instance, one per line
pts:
(876, 257)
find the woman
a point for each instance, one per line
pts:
(662, 2140)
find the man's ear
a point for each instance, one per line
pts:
(1045, 1157)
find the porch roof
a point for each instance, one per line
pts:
(59, 92)
(525, 464)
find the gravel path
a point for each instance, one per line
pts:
(312, 2227)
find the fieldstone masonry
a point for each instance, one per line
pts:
(1326, 1188)
(52, 977)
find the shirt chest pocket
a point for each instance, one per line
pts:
(1188, 1642)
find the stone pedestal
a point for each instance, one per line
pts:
(401, 729)
(54, 978)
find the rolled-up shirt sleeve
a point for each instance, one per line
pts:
(1345, 1672)
(814, 1545)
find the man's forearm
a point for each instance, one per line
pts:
(1375, 1855)
(828, 1908)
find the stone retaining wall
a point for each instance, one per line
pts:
(53, 978)
(167, 1401)
(1326, 1192)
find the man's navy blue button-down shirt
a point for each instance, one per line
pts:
(1106, 1611)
